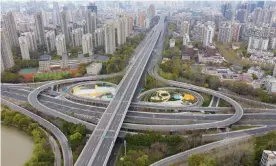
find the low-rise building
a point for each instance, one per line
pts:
(94, 68)
(270, 84)
(268, 158)
(44, 63)
(172, 43)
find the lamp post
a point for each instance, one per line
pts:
(125, 146)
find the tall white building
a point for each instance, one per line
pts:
(186, 39)
(50, 41)
(185, 27)
(258, 43)
(77, 37)
(91, 22)
(109, 38)
(10, 27)
(24, 47)
(6, 53)
(87, 44)
(99, 37)
(273, 43)
(64, 25)
(31, 39)
(120, 32)
(208, 36)
(225, 33)
(61, 44)
(39, 27)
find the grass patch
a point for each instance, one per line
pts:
(235, 128)
(231, 56)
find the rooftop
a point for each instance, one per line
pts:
(45, 58)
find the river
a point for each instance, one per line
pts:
(17, 146)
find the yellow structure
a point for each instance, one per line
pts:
(188, 97)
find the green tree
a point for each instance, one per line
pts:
(142, 161)
(195, 160)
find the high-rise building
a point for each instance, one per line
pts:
(141, 19)
(226, 10)
(99, 37)
(151, 11)
(77, 37)
(6, 53)
(50, 41)
(130, 24)
(109, 38)
(241, 15)
(208, 36)
(24, 48)
(225, 33)
(64, 61)
(185, 27)
(120, 31)
(56, 12)
(236, 31)
(258, 43)
(198, 32)
(91, 22)
(39, 26)
(92, 8)
(186, 39)
(260, 4)
(87, 44)
(273, 43)
(31, 40)
(61, 44)
(10, 27)
(64, 25)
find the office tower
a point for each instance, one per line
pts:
(92, 8)
(31, 40)
(61, 44)
(269, 16)
(99, 37)
(39, 26)
(6, 53)
(225, 32)
(50, 41)
(10, 27)
(236, 31)
(241, 15)
(77, 37)
(109, 38)
(186, 39)
(24, 48)
(87, 44)
(208, 36)
(64, 61)
(64, 25)
(56, 12)
(185, 27)
(226, 10)
(91, 22)
(258, 43)
(141, 19)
